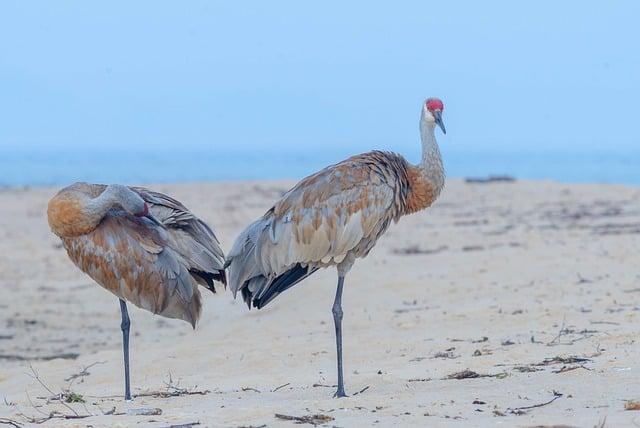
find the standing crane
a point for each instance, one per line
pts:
(333, 217)
(143, 246)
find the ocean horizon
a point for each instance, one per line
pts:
(61, 166)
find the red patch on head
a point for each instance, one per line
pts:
(434, 104)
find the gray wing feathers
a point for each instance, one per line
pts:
(190, 236)
(245, 257)
(177, 277)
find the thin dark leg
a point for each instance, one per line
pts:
(337, 320)
(124, 326)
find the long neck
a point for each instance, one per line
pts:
(96, 208)
(431, 164)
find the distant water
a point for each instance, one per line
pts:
(57, 167)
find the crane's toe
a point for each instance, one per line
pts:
(340, 394)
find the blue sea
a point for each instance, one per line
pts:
(43, 167)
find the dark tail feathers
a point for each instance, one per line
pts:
(279, 284)
(209, 277)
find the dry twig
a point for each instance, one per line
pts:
(280, 387)
(521, 410)
(7, 421)
(84, 372)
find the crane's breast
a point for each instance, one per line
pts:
(123, 269)
(421, 193)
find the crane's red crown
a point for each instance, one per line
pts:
(434, 104)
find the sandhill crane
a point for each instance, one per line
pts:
(143, 246)
(333, 217)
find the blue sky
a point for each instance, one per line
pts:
(313, 75)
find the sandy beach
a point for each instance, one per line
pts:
(505, 304)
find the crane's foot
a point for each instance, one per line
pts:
(340, 393)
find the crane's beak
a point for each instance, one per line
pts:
(438, 116)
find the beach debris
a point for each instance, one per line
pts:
(63, 398)
(565, 369)
(569, 363)
(582, 280)
(447, 354)
(483, 351)
(522, 410)
(604, 322)
(469, 374)
(553, 426)
(464, 374)
(362, 390)
(17, 357)
(280, 387)
(527, 369)
(83, 372)
(490, 179)
(632, 405)
(472, 248)
(192, 424)
(172, 393)
(617, 229)
(173, 390)
(321, 385)
(572, 334)
(145, 411)
(317, 419)
(414, 309)
(74, 397)
(415, 249)
(10, 422)
(562, 360)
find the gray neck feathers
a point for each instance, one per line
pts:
(114, 195)
(431, 165)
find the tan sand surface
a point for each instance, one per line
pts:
(534, 286)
